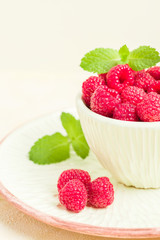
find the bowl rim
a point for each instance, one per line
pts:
(81, 105)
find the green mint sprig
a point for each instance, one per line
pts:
(123, 53)
(56, 148)
(101, 60)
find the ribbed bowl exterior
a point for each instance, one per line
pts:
(129, 150)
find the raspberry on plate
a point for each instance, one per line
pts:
(125, 112)
(104, 100)
(119, 77)
(89, 86)
(148, 109)
(132, 94)
(143, 80)
(100, 193)
(73, 195)
(154, 72)
(71, 174)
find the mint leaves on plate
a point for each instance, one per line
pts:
(56, 148)
(75, 134)
(101, 60)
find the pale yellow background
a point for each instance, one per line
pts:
(41, 44)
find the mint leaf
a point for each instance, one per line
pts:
(143, 57)
(75, 133)
(50, 149)
(70, 125)
(80, 146)
(100, 60)
(56, 148)
(124, 52)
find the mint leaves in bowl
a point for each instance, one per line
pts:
(101, 60)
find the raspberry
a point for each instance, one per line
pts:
(149, 109)
(155, 87)
(89, 86)
(138, 73)
(132, 94)
(125, 112)
(143, 80)
(103, 76)
(119, 77)
(154, 72)
(73, 195)
(101, 193)
(68, 175)
(104, 100)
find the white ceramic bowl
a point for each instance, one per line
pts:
(129, 150)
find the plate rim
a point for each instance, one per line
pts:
(69, 225)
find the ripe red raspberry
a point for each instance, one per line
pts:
(73, 195)
(119, 77)
(125, 112)
(103, 76)
(132, 94)
(154, 72)
(143, 80)
(100, 193)
(155, 87)
(89, 86)
(148, 109)
(70, 174)
(104, 100)
(138, 73)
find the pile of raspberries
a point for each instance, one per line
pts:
(125, 94)
(75, 190)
